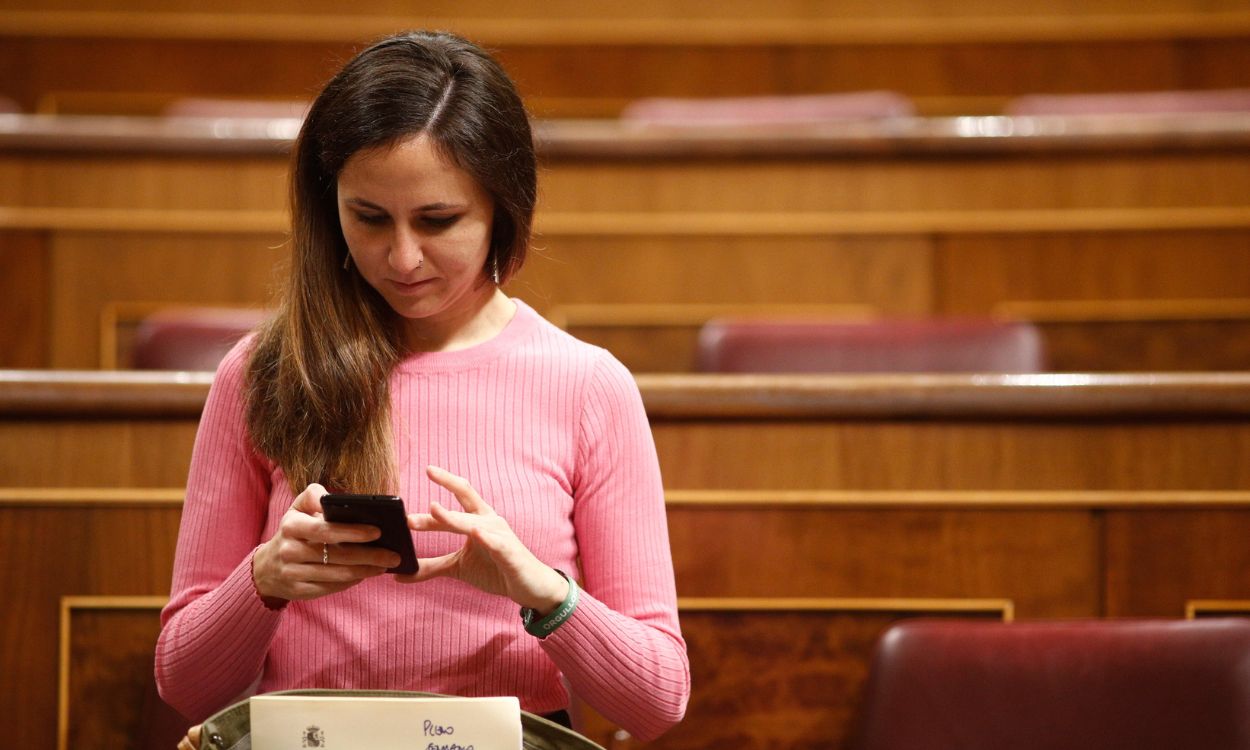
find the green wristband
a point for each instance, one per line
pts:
(542, 627)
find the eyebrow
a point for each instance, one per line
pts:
(437, 206)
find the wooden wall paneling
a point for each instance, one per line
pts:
(890, 273)
(1209, 345)
(1062, 180)
(944, 66)
(54, 547)
(1045, 561)
(90, 272)
(965, 454)
(23, 287)
(239, 182)
(107, 693)
(962, 453)
(979, 274)
(1158, 562)
(96, 452)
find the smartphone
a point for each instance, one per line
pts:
(383, 511)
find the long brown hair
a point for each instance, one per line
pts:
(318, 395)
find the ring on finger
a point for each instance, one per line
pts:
(325, 554)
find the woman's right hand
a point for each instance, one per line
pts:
(309, 557)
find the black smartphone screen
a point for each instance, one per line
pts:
(383, 511)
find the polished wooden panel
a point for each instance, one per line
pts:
(23, 283)
(1002, 182)
(590, 63)
(1041, 560)
(986, 273)
(107, 691)
(1199, 544)
(1154, 345)
(54, 549)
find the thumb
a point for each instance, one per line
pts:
(309, 501)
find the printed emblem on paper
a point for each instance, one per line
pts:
(314, 737)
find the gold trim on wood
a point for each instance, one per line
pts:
(74, 497)
(1003, 607)
(957, 499)
(993, 500)
(1137, 310)
(68, 605)
(1231, 607)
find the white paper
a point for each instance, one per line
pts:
(292, 722)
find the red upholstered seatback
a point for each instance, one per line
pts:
(190, 338)
(873, 346)
(1099, 684)
(767, 110)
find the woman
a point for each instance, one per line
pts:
(395, 364)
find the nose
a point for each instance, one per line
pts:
(406, 254)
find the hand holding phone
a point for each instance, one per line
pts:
(386, 512)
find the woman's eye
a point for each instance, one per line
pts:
(371, 219)
(441, 221)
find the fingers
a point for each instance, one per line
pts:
(460, 487)
(309, 501)
(431, 567)
(340, 555)
(192, 740)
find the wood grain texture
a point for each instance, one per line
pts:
(53, 552)
(612, 63)
(108, 692)
(23, 284)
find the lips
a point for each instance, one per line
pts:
(404, 287)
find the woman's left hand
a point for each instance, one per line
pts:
(492, 559)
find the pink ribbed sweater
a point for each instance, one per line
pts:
(552, 433)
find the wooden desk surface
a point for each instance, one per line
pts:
(578, 139)
(89, 393)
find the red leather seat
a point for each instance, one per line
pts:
(190, 338)
(1146, 103)
(873, 346)
(768, 110)
(1101, 684)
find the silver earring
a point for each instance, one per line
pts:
(347, 261)
(494, 270)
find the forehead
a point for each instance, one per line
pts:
(412, 163)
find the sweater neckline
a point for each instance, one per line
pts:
(523, 322)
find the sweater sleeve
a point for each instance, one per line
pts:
(622, 650)
(215, 630)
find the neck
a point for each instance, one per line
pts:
(477, 323)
